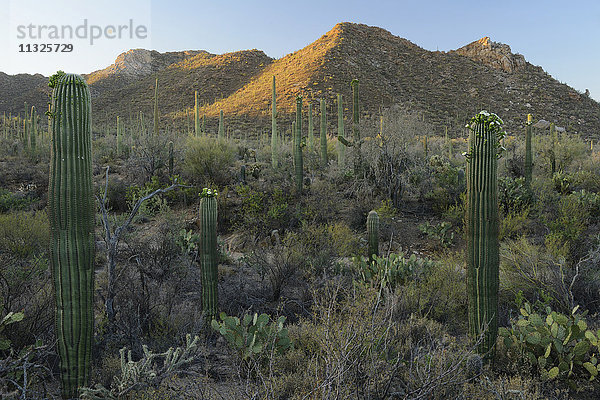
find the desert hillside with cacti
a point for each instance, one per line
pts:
(334, 224)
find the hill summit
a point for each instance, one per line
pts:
(445, 87)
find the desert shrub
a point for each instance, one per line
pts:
(24, 275)
(151, 207)
(514, 224)
(148, 157)
(354, 346)
(14, 201)
(566, 227)
(513, 194)
(209, 159)
(558, 346)
(446, 184)
(262, 212)
(116, 195)
(528, 271)
(393, 159)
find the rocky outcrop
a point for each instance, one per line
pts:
(493, 54)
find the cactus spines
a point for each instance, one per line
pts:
(274, 147)
(528, 155)
(208, 253)
(298, 167)
(482, 228)
(323, 128)
(71, 215)
(221, 132)
(196, 115)
(373, 233)
(341, 146)
(156, 108)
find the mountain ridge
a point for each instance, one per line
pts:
(446, 87)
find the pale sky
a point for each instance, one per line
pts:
(561, 36)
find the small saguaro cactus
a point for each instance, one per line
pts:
(221, 132)
(274, 146)
(71, 213)
(373, 233)
(208, 252)
(482, 228)
(171, 161)
(528, 155)
(298, 164)
(323, 128)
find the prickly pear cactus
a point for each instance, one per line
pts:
(71, 215)
(482, 228)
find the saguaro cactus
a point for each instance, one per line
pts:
(553, 140)
(156, 118)
(221, 132)
(208, 253)
(196, 115)
(341, 147)
(373, 233)
(71, 215)
(528, 155)
(274, 146)
(482, 228)
(323, 128)
(310, 140)
(355, 143)
(33, 129)
(171, 160)
(298, 167)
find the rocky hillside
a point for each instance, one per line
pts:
(446, 87)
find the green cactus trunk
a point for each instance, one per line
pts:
(208, 256)
(298, 167)
(355, 125)
(33, 130)
(221, 132)
(171, 160)
(373, 233)
(310, 140)
(156, 118)
(71, 215)
(553, 140)
(341, 146)
(196, 115)
(119, 136)
(323, 127)
(204, 125)
(482, 235)
(274, 146)
(528, 155)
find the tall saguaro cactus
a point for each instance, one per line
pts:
(355, 143)
(528, 155)
(310, 139)
(373, 233)
(298, 167)
(156, 118)
(553, 140)
(323, 128)
(71, 216)
(274, 146)
(341, 147)
(208, 253)
(482, 228)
